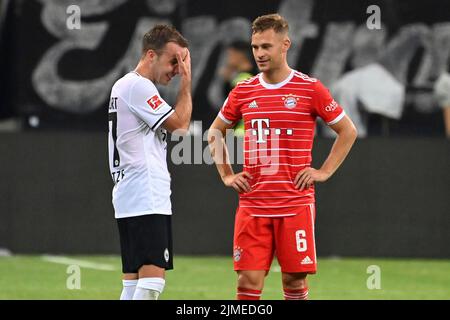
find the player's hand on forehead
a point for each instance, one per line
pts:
(184, 62)
(183, 56)
(184, 52)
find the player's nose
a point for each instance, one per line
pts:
(258, 53)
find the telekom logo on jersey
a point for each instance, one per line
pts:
(261, 129)
(262, 150)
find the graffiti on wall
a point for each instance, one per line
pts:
(347, 53)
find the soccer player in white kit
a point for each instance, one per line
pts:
(139, 119)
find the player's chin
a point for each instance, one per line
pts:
(263, 67)
(165, 81)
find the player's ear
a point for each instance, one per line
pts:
(286, 44)
(150, 55)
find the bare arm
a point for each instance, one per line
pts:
(219, 153)
(447, 120)
(346, 136)
(181, 118)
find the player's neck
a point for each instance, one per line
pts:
(275, 76)
(142, 70)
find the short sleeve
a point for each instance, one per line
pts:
(230, 111)
(146, 103)
(325, 106)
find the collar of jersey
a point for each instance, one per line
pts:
(275, 85)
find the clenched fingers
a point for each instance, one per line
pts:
(247, 175)
(238, 186)
(301, 176)
(307, 182)
(241, 181)
(244, 183)
(304, 179)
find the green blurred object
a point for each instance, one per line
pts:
(240, 77)
(239, 129)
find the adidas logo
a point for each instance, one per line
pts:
(307, 260)
(253, 104)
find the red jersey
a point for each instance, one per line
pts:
(279, 124)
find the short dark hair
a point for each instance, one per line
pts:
(270, 21)
(160, 35)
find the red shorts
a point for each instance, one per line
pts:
(291, 239)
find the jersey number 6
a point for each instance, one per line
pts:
(301, 241)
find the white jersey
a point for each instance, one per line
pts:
(137, 148)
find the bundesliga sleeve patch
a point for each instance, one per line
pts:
(154, 102)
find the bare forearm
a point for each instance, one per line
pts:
(219, 153)
(224, 169)
(183, 106)
(447, 120)
(339, 151)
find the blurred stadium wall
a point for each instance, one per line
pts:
(391, 197)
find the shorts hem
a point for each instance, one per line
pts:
(309, 271)
(251, 269)
(138, 214)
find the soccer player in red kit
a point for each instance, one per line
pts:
(276, 212)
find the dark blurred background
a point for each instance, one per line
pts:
(390, 198)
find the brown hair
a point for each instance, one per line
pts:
(159, 36)
(270, 21)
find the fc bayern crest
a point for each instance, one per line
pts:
(237, 254)
(290, 102)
